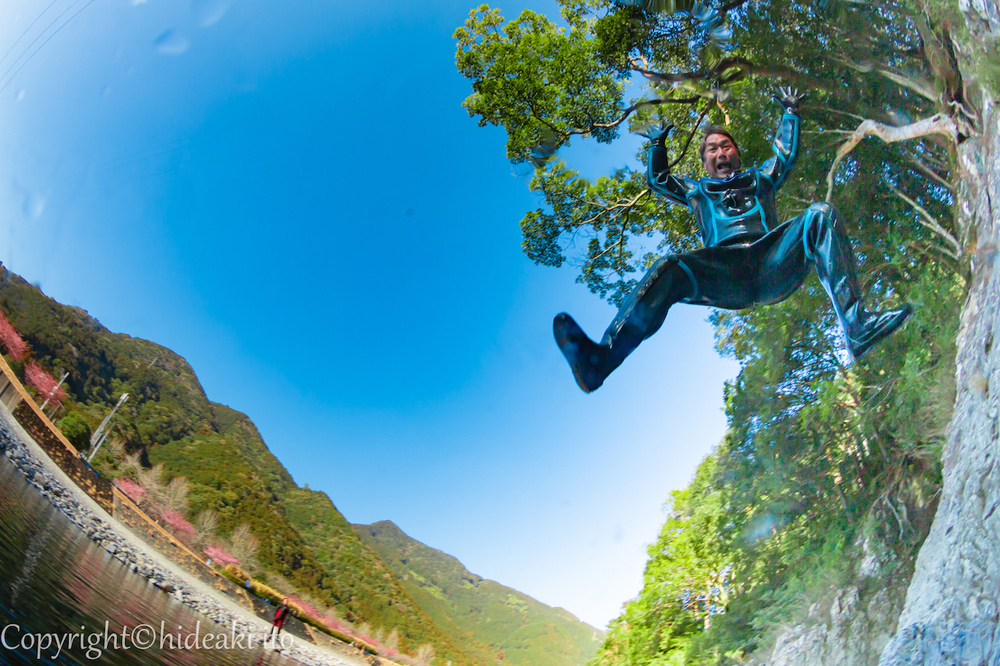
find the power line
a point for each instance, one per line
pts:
(40, 46)
(30, 26)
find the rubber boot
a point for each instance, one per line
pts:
(587, 359)
(835, 266)
(592, 362)
(641, 315)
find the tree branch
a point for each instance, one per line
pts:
(614, 123)
(930, 222)
(687, 144)
(744, 67)
(921, 89)
(621, 237)
(936, 124)
(929, 172)
(731, 6)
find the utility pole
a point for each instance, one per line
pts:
(54, 389)
(101, 433)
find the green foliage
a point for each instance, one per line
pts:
(483, 616)
(546, 84)
(169, 421)
(816, 449)
(539, 81)
(376, 596)
(76, 429)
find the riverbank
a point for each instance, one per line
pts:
(122, 544)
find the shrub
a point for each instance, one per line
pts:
(74, 427)
(35, 376)
(219, 555)
(11, 340)
(135, 492)
(177, 523)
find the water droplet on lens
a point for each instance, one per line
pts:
(171, 43)
(21, 94)
(209, 12)
(33, 206)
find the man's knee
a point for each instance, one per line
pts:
(823, 212)
(821, 219)
(663, 267)
(667, 281)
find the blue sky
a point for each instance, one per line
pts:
(291, 196)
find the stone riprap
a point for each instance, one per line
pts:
(101, 532)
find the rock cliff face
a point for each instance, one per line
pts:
(952, 604)
(951, 614)
(851, 633)
(854, 622)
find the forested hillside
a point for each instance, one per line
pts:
(495, 622)
(209, 465)
(829, 466)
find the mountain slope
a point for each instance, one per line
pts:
(491, 621)
(169, 420)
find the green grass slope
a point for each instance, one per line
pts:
(363, 577)
(493, 622)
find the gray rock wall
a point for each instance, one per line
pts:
(853, 624)
(952, 605)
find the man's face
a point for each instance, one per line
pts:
(722, 159)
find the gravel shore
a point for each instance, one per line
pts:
(135, 554)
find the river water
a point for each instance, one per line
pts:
(65, 600)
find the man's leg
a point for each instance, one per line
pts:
(826, 245)
(668, 281)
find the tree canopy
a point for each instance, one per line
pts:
(819, 452)
(608, 67)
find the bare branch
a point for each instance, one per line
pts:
(933, 160)
(614, 123)
(638, 105)
(687, 144)
(936, 124)
(743, 67)
(865, 67)
(930, 222)
(608, 208)
(842, 112)
(929, 172)
(627, 209)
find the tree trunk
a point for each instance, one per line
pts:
(953, 602)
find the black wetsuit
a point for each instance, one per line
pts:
(748, 259)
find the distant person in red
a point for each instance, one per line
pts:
(280, 615)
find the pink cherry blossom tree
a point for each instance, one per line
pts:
(135, 492)
(35, 376)
(11, 340)
(178, 524)
(220, 556)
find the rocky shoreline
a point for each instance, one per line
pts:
(99, 530)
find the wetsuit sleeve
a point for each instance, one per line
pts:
(661, 181)
(786, 149)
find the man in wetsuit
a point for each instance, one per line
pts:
(748, 258)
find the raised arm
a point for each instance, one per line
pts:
(786, 139)
(659, 177)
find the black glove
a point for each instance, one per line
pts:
(789, 99)
(657, 135)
